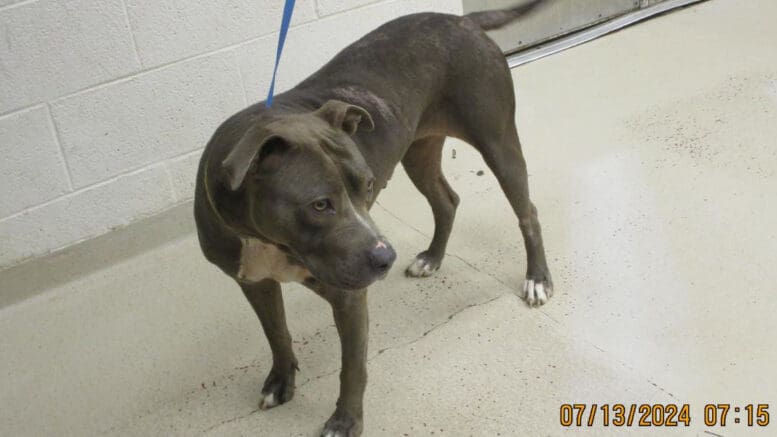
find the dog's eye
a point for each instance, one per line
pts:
(370, 184)
(322, 205)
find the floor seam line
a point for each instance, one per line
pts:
(372, 358)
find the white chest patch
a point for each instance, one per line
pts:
(259, 261)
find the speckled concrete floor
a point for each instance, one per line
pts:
(652, 158)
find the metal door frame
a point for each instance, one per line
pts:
(569, 24)
(649, 8)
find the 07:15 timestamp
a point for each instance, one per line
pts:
(717, 414)
(661, 415)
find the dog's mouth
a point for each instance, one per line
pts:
(315, 279)
(347, 284)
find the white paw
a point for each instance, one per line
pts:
(268, 401)
(535, 293)
(331, 433)
(420, 268)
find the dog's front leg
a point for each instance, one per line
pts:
(266, 299)
(350, 312)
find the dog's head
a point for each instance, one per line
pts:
(307, 189)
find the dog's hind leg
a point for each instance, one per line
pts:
(480, 110)
(503, 155)
(422, 162)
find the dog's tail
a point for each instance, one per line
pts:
(489, 20)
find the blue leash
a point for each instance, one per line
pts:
(288, 8)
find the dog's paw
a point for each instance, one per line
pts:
(423, 265)
(537, 293)
(342, 425)
(268, 401)
(278, 389)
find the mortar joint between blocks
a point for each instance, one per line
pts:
(132, 35)
(166, 166)
(60, 146)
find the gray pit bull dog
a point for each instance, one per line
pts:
(283, 193)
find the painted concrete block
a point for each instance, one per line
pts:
(148, 118)
(167, 30)
(84, 214)
(183, 173)
(32, 170)
(329, 7)
(49, 48)
(8, 2)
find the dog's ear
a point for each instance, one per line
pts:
(345, 116)
(256, 146)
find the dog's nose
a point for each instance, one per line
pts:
(382, 256)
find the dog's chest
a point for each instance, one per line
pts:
(260, 261)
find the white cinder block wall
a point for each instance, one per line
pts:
(106, 105)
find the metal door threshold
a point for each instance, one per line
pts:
(591, 33)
